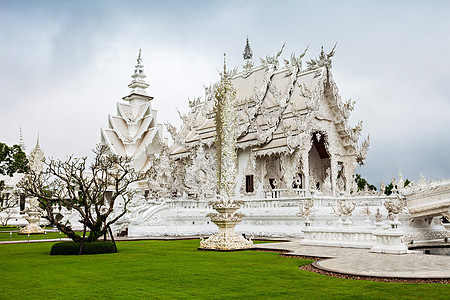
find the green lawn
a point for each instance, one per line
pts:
(177, 270)
(15, 236)
(9, 228)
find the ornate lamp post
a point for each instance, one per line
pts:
(226, 217)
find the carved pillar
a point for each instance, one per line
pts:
(333, 166)
(288, 168)
(349, 168)
(305, 169)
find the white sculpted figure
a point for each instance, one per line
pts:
(200, 179)
(395, 206)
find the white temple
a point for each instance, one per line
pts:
(296, 160)
(12, 193)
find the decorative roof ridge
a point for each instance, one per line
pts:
(151, 133)
(133, 118)
(126, 137)
(277, 71)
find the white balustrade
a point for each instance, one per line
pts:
(349, 237)
(389, 241)
(285, 193)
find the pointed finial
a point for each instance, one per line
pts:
(139, 60)
(37, 141)
(21, 143)
(224, 63)
(248, 53)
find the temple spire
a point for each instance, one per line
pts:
(139, 59)
(37, 158)
(21, 142)
(37, 142)
(248, 53)
(224, 63)
(138, 84)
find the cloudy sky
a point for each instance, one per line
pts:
(65, 64)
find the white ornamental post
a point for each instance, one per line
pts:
(226, 217)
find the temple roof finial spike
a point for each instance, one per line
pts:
(37, 141)
(248, 53)
(139, 59)
(21, 143)
(224, 63)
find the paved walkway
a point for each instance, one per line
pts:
(361, 262)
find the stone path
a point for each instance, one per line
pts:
(361, 262)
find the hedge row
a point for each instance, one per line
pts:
(72, 248)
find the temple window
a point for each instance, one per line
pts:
(297, 183)
(273, 183)
(249, 184)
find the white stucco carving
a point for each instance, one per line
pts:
(226, 217)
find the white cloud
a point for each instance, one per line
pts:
(65, 65)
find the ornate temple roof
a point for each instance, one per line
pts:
(276, 106)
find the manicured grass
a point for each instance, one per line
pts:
(5, 236)
(177, 270)
(15, 228)
(9, 228)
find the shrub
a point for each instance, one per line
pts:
(72, 248)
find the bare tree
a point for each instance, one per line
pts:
(75, 185)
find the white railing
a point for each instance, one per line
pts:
(282, 198)
(285, 193)
(188, 204)
(270, 203)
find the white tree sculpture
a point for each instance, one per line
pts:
(226, 217)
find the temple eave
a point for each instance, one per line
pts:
(136, 95)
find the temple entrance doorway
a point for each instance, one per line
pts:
(273, 178)
(319, 164)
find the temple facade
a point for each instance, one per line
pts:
(296, 160)
(293, 133)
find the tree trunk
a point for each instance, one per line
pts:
(84, 236)
(69, 232)
(82, 240)
(112, 238)
(104, 235)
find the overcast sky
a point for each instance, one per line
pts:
(65, 64)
